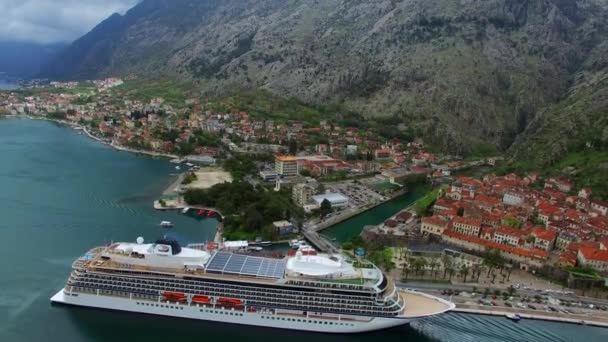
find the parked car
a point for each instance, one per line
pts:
(531, 306)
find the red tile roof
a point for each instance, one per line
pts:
(544, 234)
(467, 220)
(434, 221)
(528, 253)
(594, 254)
(510, 231)
(487, 200)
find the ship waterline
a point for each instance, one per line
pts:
(321, 293)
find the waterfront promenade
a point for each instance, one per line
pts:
(594, 320)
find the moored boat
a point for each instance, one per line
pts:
(321, 293)
(201, 212)
(185, 210)
(166, 224)
(514, 317)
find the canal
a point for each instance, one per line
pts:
(352, 227)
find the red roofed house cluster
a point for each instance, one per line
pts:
(524, 224)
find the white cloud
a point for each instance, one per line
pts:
(50, 21)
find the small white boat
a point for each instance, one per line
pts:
(178, 168)
(296, 244)
(513, 317)
(185, 210)
(254, 249)
(166, 224)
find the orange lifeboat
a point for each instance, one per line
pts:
(174, 296)
(229, 302)
(201, 299)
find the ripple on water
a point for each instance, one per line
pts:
(455, 327)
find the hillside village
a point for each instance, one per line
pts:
(196, 127)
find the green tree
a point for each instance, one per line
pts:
(325, 207)
(434, 264)
(419, 265)
(253, 219)
(464, 272)
(293, 146)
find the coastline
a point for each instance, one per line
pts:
(92, 136)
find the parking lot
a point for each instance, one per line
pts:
(358, 194)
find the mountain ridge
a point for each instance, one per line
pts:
(461, 73)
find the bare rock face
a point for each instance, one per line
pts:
(461, 72)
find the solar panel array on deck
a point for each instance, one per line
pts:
(225, 262)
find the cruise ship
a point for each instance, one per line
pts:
(303, 291)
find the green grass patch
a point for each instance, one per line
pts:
(264, 105)
(172, 91)
(424, 204)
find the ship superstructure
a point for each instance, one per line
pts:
(315, 292)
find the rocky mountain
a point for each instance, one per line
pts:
(463, 73)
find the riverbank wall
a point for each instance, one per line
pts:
(528, 314)
(348, 214)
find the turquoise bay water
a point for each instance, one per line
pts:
(62, 193)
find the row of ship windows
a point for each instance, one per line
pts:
(240, 287)
(231, 313)
(303, 306)
(160, 306)
(309, 321)
(255, 303)
(299, 303)
(348, 299)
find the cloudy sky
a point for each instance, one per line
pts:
(51, 21)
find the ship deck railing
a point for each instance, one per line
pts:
(249, 289)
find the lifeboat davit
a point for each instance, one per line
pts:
(201, 212)
(201, 300)
(174, 296)
(230, 301)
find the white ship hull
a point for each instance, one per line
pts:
(315, 324)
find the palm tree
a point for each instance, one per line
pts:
(510, 267)
(464, 271)
(451, 271)
(405, 272)
(433, 265)
(477, 270)
(419, 265)
(447, 263)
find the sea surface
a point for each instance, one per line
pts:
(7, 85)
(62, 193)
